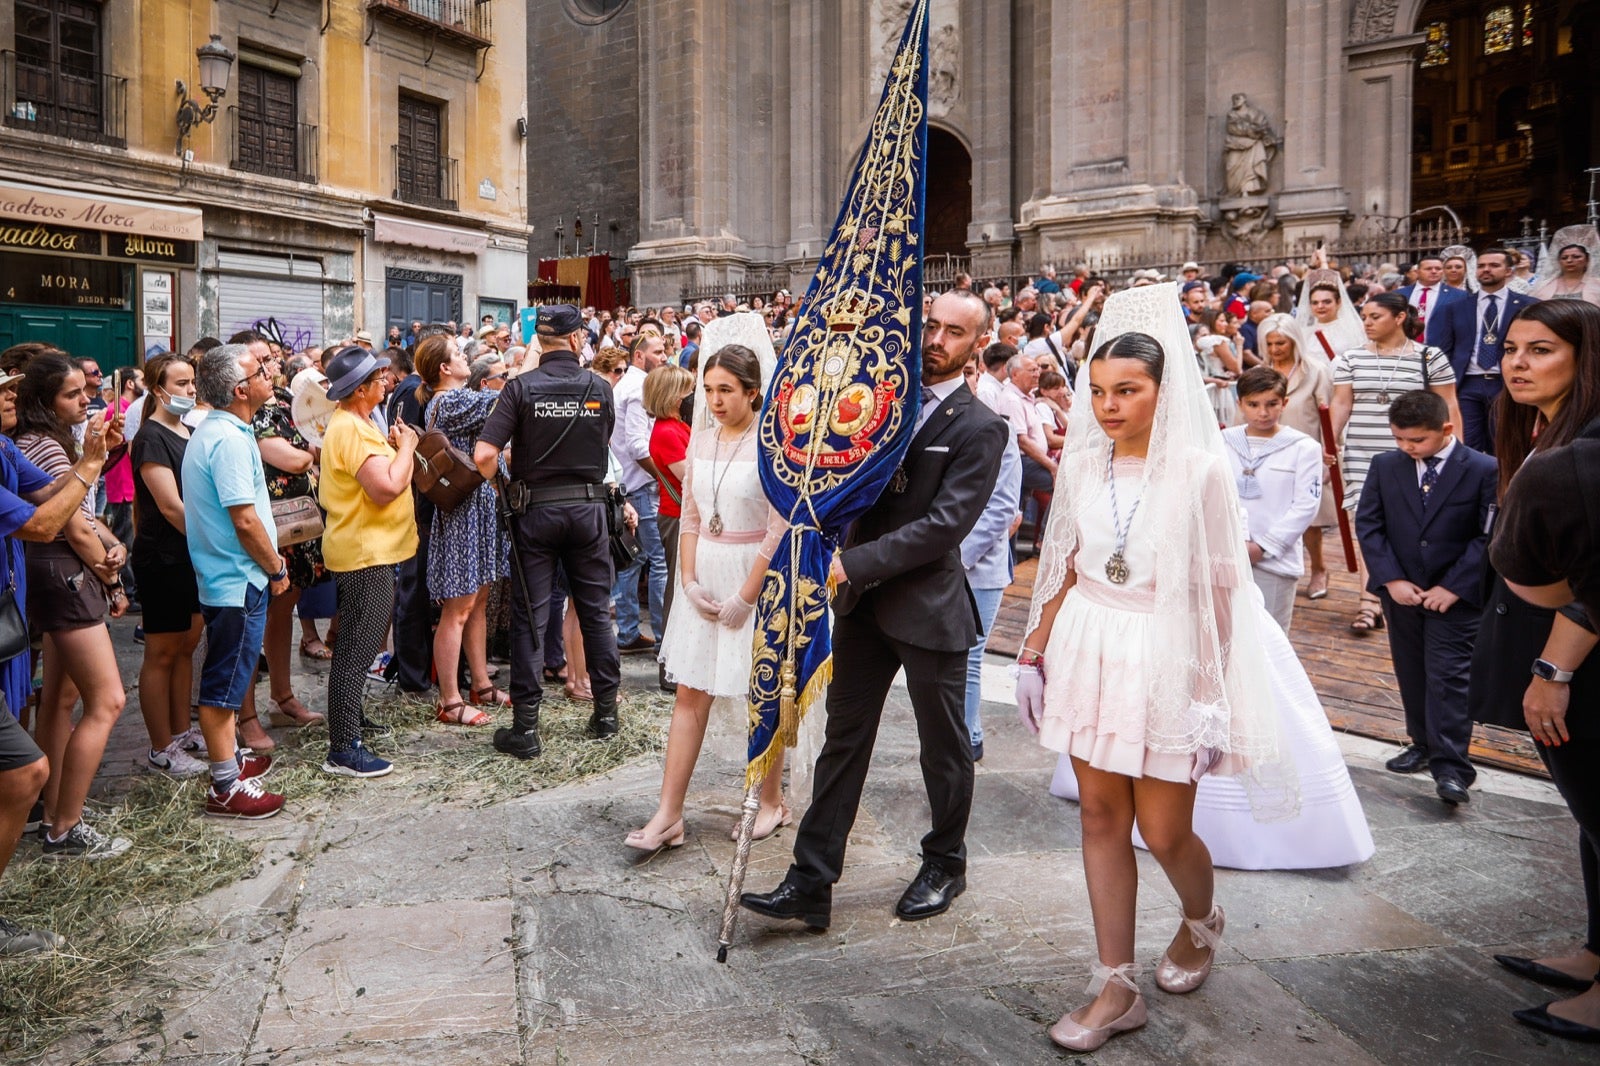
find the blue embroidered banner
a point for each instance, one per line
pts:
(842, 405)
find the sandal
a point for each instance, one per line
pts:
(1318, 589)
(581, 693)
(315, 648)
(764, 829)
(282, 715)
(262, 744)
(554, 674)
(490, 697)
(1368, 618)
(460, 713)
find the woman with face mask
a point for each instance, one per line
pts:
(160, 560)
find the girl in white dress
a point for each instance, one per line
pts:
(1142, 659)
(726, 538)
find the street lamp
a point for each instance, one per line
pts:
(216, 63)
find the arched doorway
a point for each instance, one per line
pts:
(949, 195)
(1505, 112)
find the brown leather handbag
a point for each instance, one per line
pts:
(442, 473)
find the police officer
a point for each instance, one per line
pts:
(558, 420)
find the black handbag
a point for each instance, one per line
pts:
(13, 627)
(624, 543)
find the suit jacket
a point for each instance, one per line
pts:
(1448, 295)
(1446, 545)
(1457, 329)
(903, 556)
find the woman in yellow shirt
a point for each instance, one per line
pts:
(370, 528)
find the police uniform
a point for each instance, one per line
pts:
(557, 419)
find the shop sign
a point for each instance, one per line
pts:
(99, 211)
(152, 249)
(39, 237)
(29, 279)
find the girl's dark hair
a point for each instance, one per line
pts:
(1398, 305)
(742, 363)
(1519, 431)
(154, 371)
(431, 355)
(1140, 346)
(1579, 247)
(14, 360)
(36, 398)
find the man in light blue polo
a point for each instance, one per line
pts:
(233, 543)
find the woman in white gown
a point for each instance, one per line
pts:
(727, 535)
(1327, 316)
(1143, 660)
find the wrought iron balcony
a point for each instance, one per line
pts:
(66, 101)
(463, 21)
(278, 150)
(429, 182)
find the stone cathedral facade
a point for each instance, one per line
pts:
(718, 140)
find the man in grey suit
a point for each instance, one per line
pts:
(903, 601)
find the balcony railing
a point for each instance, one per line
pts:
(429, 182)
(275, 149)
(65, 101)
(463, 21)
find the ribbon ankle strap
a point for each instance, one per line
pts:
(1126, 975)
(1203, 933)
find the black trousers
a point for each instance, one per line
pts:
(413, 612)
(1432, 655)
(574, 535)
(865, 662)
(1572, 766)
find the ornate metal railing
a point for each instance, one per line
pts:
(64, 100)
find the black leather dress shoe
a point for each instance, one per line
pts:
(1545, 975)
(1540, 1018)
(788, 902)
(1412, 759)
(930, 892)
(1452, 791)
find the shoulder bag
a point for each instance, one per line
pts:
(443, 474)
(298, 519)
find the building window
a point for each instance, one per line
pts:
(423, 174)
(54, 80)
(1527, 25)
(594, 12)
(1499, 31)
(267, 135)
(1436, 45)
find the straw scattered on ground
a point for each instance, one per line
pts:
(121, 915)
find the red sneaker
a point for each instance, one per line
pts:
(252, 765)
(246, 799)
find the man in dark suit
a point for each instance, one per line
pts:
(1423, 521)
(903, 601)
(1430, 295)
(1473, 334)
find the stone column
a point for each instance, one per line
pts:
(1377, 149)
(986, 40)
(1312, 202)
(809, 210)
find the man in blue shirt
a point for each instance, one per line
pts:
(233, 543)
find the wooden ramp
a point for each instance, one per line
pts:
(1351, 672)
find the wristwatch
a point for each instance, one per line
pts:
(1549, 671)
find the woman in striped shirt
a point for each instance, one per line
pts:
(1366, 380)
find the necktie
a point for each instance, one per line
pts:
(928, 400)
(1489, 349)
(1430, 478)
(927, 395)
(1422, 313)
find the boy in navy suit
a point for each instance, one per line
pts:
(1423, 522)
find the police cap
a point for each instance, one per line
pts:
(559, 320)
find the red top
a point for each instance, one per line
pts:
(669, 443)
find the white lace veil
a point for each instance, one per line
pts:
(1209, 687)
(1584, 234)
(1461, 251)
(1345, 331)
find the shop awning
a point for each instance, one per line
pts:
(387, 229)
(101, 211)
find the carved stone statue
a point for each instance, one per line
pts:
(944, 70)
(1248, 147)
(1247, 220)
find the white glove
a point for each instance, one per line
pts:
(734, 611)
(709, 608)
(1030, 697)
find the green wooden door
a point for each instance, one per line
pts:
(106, 336)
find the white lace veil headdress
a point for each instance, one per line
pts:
(1587, 236)
(1345, 331)
(1209, 687)
(1461, 251)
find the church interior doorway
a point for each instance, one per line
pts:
(1506, 112)
(949, 194)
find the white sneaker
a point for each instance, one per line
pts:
(192, 740)
(173, 761)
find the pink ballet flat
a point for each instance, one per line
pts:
(1073, 1035)
(1207, 934)
(670, 837)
